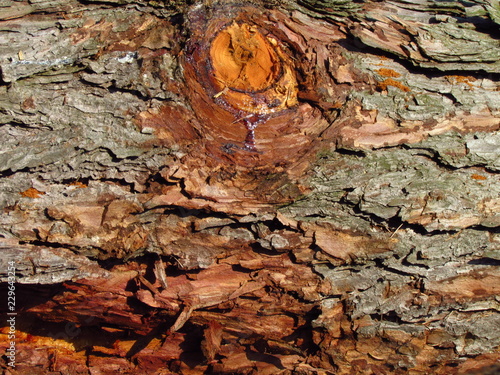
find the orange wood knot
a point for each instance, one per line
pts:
(250, 70)
(242, 75)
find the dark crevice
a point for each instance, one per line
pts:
(432, 155)
(429, 233)
(381, 265)
(53, 245)
(9, 172)
(258, 249)
(483, 228)
(485, 261)
(77, 250)
(135, 92)
(84, 181)
(391, 317)
(350, 152)
(117, 181)
(18, 124)
(405, 262)
(353, 44)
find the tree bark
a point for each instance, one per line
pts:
(284, 187)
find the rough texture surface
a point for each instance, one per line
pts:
(338, 216)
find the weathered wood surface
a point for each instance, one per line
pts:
(348, 225)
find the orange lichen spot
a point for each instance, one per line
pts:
(32, 193)
(78, 184)
(391, 82)
(478, 177)
(454, 79)
(384, 72)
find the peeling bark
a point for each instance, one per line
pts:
(292, 187)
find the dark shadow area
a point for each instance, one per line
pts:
(485, 262)
(29, 295)
(266, 358)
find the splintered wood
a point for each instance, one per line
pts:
(230, 308)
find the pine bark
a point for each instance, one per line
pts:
(284, 187)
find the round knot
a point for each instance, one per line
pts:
(250, 70)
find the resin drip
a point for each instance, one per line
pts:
(251, 122)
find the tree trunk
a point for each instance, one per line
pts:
(285, 187)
